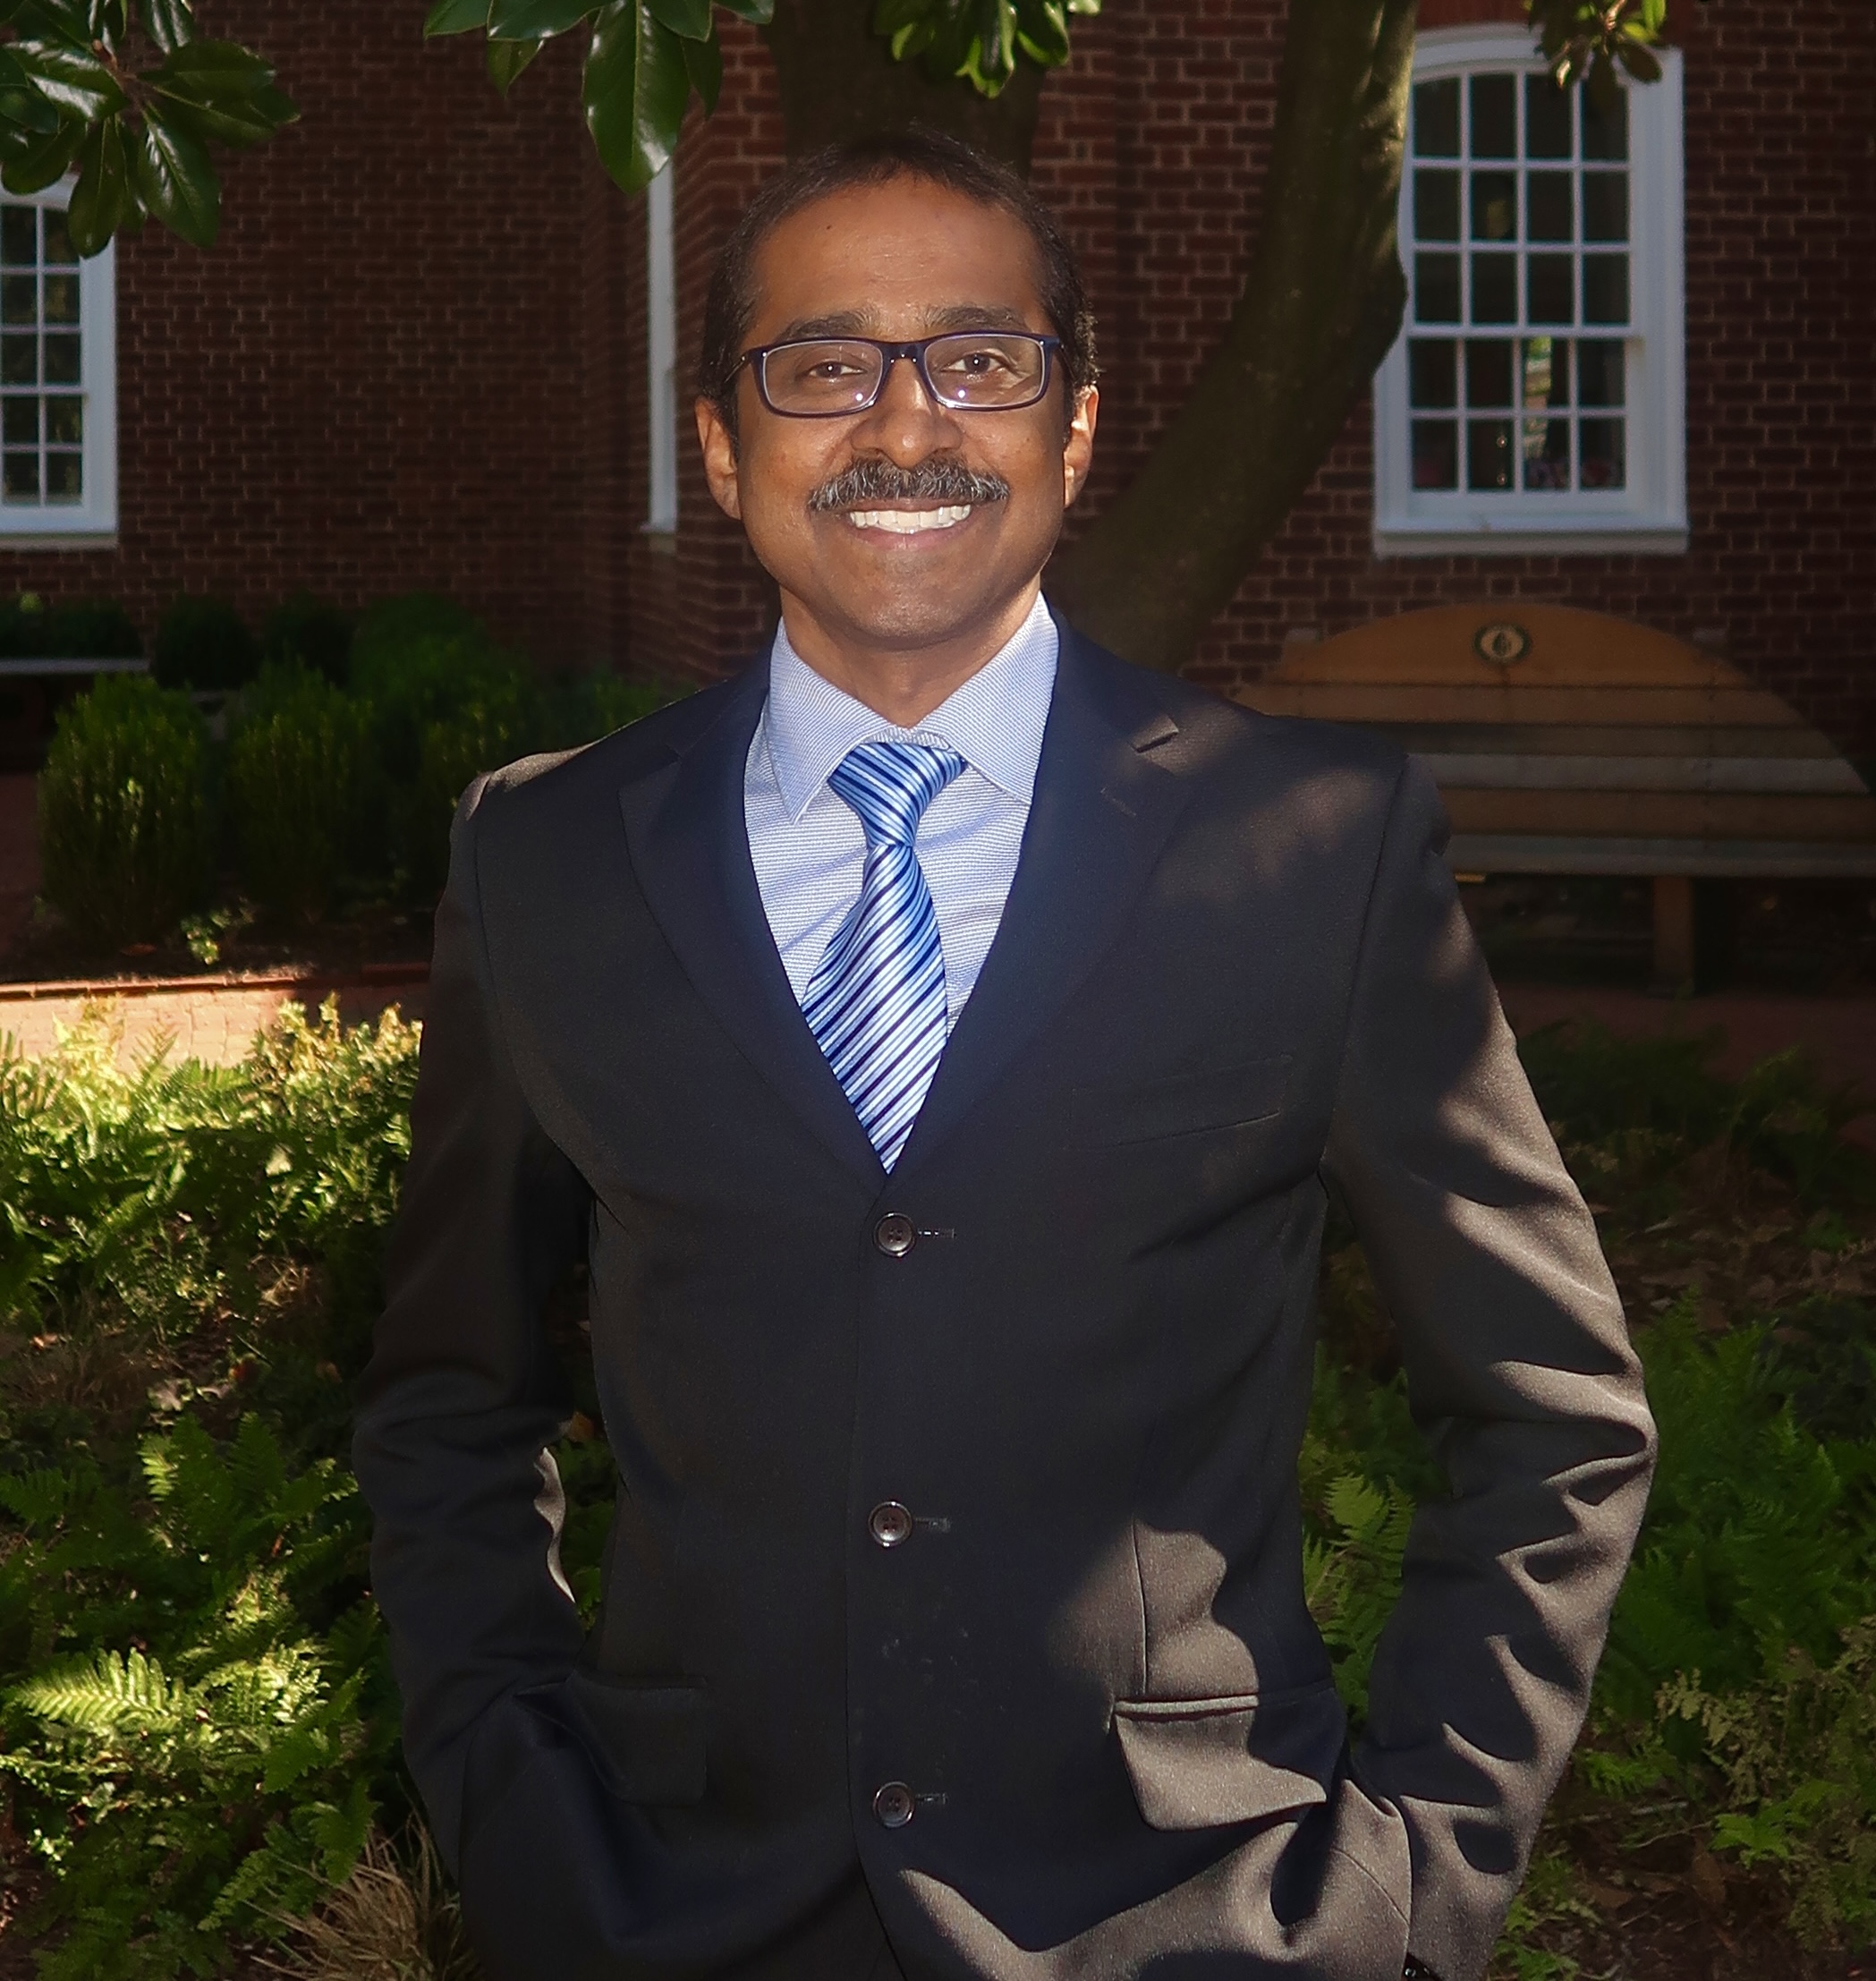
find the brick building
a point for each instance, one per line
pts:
(424, 351)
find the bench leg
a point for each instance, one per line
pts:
(1674, 947)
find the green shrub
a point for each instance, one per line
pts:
(205, 643)
(124, 825)
(297, 788)
(312, 632)
(391, 628)
(83, 630)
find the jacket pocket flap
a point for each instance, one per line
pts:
(1197, 1763)
(1189, 1103)
(646, 1741)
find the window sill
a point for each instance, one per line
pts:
(1645, 539)
(93, 537)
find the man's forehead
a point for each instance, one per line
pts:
(917, 319)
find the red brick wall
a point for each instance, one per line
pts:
(374, 380)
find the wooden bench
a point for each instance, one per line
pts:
(1568, 743)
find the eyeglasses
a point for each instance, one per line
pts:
(968, 370)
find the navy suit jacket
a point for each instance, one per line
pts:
(1077, 1720)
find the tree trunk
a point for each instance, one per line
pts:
(1321, 308)
(838, 80)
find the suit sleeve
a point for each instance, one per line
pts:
(1520, 1374)
(463, 1395)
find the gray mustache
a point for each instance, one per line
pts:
(876, 484)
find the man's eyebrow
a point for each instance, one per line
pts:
(865, 323)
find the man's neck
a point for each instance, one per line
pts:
(902, 685)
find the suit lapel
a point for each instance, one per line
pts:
(1102, 810)
(685, 827)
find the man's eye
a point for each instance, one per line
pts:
(832, 370)
(982, 362)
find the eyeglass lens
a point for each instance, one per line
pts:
(972, 370)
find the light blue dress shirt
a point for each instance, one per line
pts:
(807, 846)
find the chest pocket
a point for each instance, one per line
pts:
(1186, 1104)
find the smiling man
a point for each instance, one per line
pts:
(941, 1045)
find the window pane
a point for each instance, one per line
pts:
(1603, 455)
(1494, 117)
(1488, 372)
(1488, 454)
(1547, 371)
(19, 298)
(1495, 288)
(65, 421)
(62, 360)
(1436, 288)
(64, 477)
(1600, 373)
(1547, 454)
(1605, 131)
(21, 478)
(20, 360)
(1548, 209)
(1604, 288)
(19, 236)
(1436, 205)
(1553, 288)
(59, 250)
(1546, 118)
(1436, 119)
(1495, 206)
(61, 299)
(1436, 453)
(20, 422)
(1432, 372)
(1605, 206)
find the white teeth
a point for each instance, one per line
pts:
(907, 523)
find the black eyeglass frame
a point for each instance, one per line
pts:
(758, 356)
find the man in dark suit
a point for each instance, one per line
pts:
(941, 1043)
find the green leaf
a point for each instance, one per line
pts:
(45, 161)
(688, 17)
(456, 17)
(101, 199)
(636, 90)
(537, 19)
(703, 60)
(48, 20)
(1042, 31)
(1638, 61)
(72, 79)
(214, 69)
(176, 181)
(507, 59)
(169, 24)
(759, 13)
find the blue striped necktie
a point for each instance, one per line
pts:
(876, 1001)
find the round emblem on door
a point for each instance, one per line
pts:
(1501, 643)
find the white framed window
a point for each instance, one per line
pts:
(58, 380)
(1535, 398)
(661, 354)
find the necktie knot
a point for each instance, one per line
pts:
(889, 784)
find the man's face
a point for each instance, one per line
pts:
(898, 262)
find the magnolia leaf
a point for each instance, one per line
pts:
(211, 68)
(759, 13)
(72, 78)
(688, 17)
(1084, 6)
(102, 198)
(169, 24)
(43, 162)
(537, 19)
(456, 17)
(243, 121)
(108, 21)
(176, 181)
(1042, 31)
(48, 20)
(507, 59)
(636, 90)
(704, 62)
(892, 17)
(1639, 62)
(26, 111)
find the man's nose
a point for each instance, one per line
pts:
(904, 421)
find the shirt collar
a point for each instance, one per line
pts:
(994, 721)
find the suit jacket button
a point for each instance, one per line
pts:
(896, 1234)
(889, 1522)
(895, 1806)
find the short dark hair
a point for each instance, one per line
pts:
(876, 161)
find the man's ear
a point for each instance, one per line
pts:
(1078, 450)
(719, 458)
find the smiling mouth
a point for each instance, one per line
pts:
(909, 522)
